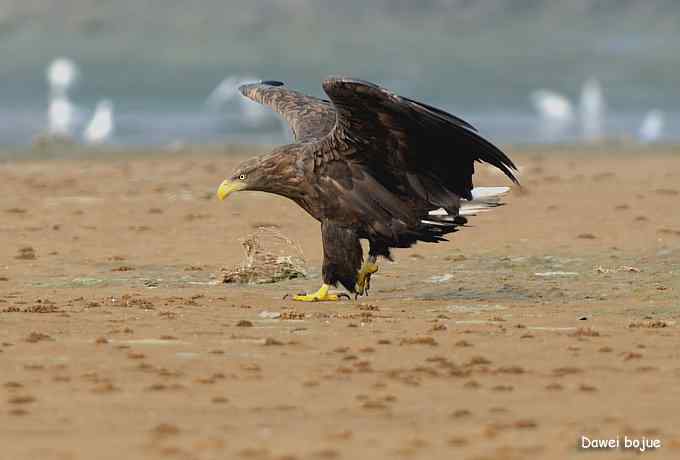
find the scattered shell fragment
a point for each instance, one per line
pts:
(269, 314)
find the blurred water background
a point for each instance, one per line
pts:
(159, 60)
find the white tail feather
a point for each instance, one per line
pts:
(447, 223)
(479, 193)
(438, 212)
(483, 199)
(473, 210)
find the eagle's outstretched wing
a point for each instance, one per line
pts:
(405, 141)
(308, 117)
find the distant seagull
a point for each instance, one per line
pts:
(592, 109)
(61, 74)
(226, 90)
(252, 113)
(652, 126)
(555, 111)
(100, 128)
(60, 117)
(552, 107)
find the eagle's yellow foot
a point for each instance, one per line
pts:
(321, 295)
(364, 278)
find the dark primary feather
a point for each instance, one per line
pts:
(440, 112)
(400, 135)
(308, 117)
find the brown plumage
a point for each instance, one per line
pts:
(368, 164)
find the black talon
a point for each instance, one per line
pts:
(343, 294)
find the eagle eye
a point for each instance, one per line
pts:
(242, 177)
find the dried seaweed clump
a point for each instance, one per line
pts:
(270, 257)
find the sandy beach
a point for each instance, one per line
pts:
(548, 319)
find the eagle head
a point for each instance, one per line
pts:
(274, 173)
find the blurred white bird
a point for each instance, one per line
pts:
(61, 74)
(60, 116)
(552, 107)
(652, 126)
(101, 125)
(592, 109)
(253, 113)
(555, 111)
(226, 90)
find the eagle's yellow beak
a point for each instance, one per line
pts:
(229, 186)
